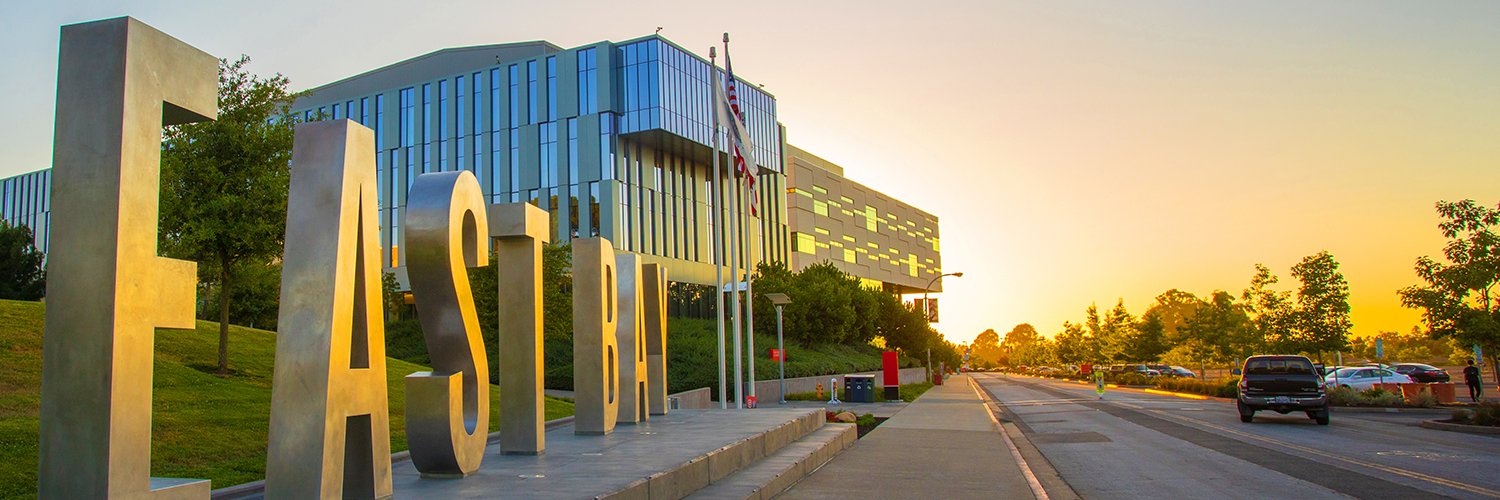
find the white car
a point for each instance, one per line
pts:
(1361, 378)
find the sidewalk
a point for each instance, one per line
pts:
(943, 445)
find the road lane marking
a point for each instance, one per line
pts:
(1031, 480)
(1177, 394)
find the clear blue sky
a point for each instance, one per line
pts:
(1075, 152)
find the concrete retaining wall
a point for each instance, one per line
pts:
(696, 399)
(770, 390)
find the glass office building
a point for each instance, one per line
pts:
(25, 200)
(613, 139)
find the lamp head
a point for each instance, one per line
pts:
(958, 274)
(778, 298)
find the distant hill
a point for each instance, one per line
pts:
(203, 426)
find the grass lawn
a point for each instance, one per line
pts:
(203, 426)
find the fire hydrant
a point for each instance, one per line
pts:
(820, 392)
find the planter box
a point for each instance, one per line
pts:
(1389, 387)
(1446, 393)
(1409, 392)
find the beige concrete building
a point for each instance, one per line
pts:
(860, 230)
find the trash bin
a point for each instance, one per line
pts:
(861, 388)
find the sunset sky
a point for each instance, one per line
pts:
(1075, 152)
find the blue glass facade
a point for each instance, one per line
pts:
(26, 200)
(611, 138)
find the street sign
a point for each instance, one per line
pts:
(1379, 348)
(932, 310)
(1478, 355)
(775, 354)
(1099, 384)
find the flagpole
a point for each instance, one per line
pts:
(748, 251)
(734, 266)
(718, 235)
(750, 286)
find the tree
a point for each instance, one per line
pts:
(1216, 330)
(1458, 301)
(1150, 340)
(1271, 312)
(1071, 346)
(1173, 308)
(1023, 344)
(224, 184)
(1322, 316)
(21, 274)
(987, 347)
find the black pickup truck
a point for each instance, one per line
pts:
(1282, 384)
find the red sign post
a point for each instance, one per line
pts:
(775, 354)
(892, 369)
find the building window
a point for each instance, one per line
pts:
(547, 140)
(515, 96)
(820, 208)
(461, 119)
(572, 125)
(606, 146)
(531, 91)
(805, 243)
(552, 88)
(442, 120)
(427, 119)
(515, 166)
(594, 209)
(588, 66)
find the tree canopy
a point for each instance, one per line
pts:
(21, 274)
(224, 185)
(1458, 300)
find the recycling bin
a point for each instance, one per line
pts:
(861, 388)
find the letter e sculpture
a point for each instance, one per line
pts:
(595, 350)
(448, 408)
(118, 82)
(330, 423)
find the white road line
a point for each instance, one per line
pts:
(1031, 480)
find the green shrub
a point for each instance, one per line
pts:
(867, 419)
(1484, 414)
(1132, 379)
(1342, 396)
(1376, 396)
(1423, 399)
(1226, 388)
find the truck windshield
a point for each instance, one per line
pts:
(1278, 367)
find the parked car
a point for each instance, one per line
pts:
(1178, 371)
(1282, 384)
(1362, 378)
(1141, 369)
(1419, 372)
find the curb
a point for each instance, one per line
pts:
(1464, 428)
(1381, 409)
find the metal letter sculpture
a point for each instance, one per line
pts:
(630, 335)
(521, 230)
(330, 422)
(448, 408)
(595, 350)
(654, 295)
(118, 82)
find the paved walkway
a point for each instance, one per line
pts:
(943, 445)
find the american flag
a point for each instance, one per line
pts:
(739, 136)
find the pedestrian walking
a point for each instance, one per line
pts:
(1471, 377)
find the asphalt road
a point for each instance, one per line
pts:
(1134, 443)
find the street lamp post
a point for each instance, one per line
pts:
(780, 299)
(927, 306)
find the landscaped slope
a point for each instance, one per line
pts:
(203, 425)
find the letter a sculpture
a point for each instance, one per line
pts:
(330, 426)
